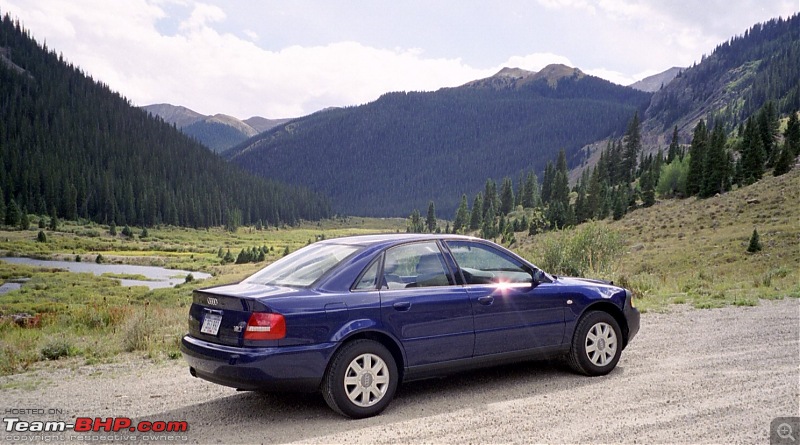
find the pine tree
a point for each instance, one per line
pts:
(633, 146)
(648, 188)
(53, 219)
(595, 197)
(415, 224)
(112, 229)
(24, 220)
(620, 203)
(476, 217)
(755, 243)
(697, 156)
(582, 210)
(768, 125)
(791, 147)
(489, 228)
(12, 213)
(507, 196)
(490, 198)
(2, 206)
(752, 160)
(462, 216)
(716, 170)
(531, 198)
(791, 135)
(41, 237)
(559, 209)
(547, 182)
(674, 148)
(784, 163)
(430, 220)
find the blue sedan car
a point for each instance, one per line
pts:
(353, 317)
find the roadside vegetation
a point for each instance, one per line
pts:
(58, 314)
(691, 251)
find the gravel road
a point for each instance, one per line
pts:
(690, 376)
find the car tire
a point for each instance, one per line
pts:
(596, 344)
(361, 379)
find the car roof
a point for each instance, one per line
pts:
(393, 238)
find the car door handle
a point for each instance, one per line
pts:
(402, 306)
(486, 300)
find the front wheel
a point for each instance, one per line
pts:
(596, 345)
(361, 380)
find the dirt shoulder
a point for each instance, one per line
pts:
(690, 376)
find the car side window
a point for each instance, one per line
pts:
(369, 278)
(482, 264)
(415, 265)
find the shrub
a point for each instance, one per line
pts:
(41, 237)
(589, 248)
(138, 332)
(672, 181)
(56, 349)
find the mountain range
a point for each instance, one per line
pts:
(218, 132)
(71, 146)
(73, 149)
(406, 148)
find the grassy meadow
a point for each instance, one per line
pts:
(677, 252)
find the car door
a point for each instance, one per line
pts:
(510, 312)
(423, 307)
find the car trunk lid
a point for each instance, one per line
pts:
(220, 314)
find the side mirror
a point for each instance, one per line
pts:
(539, 277)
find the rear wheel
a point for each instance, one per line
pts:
(361, 380)
(596, 345)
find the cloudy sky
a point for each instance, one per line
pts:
(288, 58)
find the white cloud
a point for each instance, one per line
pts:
(250, 34)
(612, 76)
(216, 72)
(568, 4)
(206, 63)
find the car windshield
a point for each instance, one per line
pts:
(303, 267)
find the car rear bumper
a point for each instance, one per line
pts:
(294, 368)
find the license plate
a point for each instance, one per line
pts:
(211, 324)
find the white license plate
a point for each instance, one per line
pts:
(211, 324)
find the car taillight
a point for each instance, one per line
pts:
(265, 326)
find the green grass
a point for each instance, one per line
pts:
(91, 318)
(127, 276)
(694, 251)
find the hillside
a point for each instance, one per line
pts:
(728, 86)
(218, 132)
(732, 83)
(695, 250)
(71, 147)
(404, 149)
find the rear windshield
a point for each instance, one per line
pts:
(303, 267)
